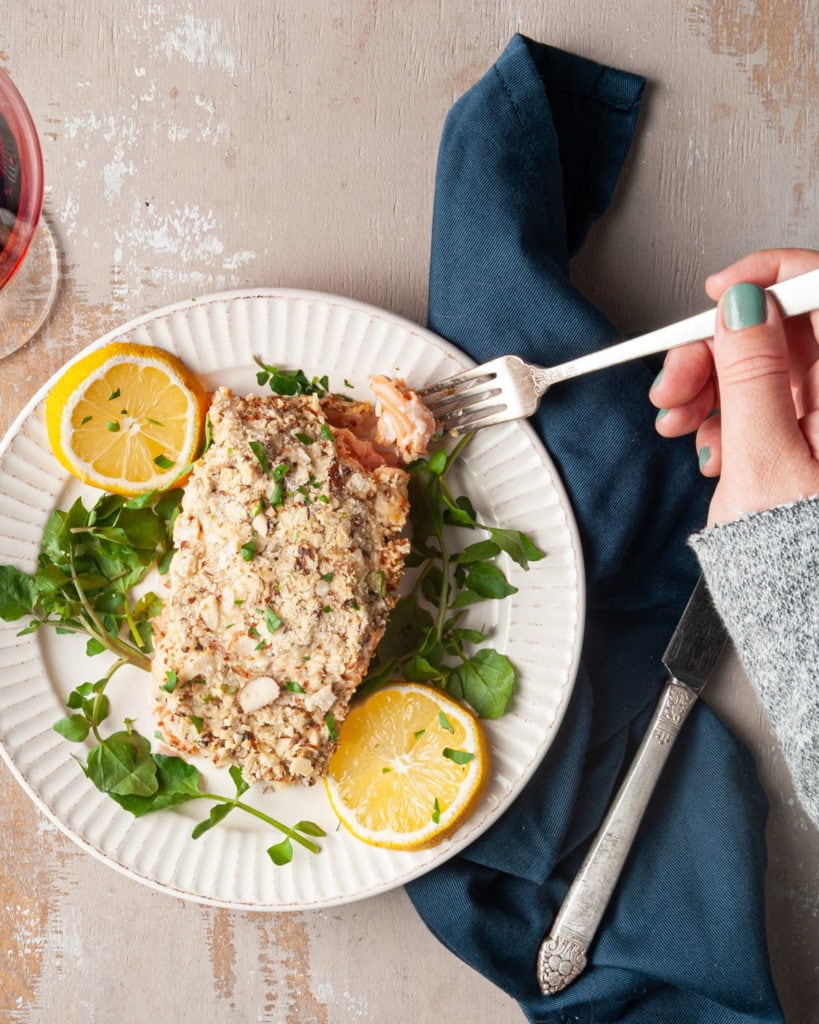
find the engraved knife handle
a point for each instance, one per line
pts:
(562, 954)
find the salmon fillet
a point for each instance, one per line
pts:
(289, 555)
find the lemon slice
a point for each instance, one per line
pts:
(126, 418)
(408, 768)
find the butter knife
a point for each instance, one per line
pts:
(691, 657)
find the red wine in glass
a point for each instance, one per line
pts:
(28, 264)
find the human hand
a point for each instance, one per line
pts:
(751, 393)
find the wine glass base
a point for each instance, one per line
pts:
(26, 300)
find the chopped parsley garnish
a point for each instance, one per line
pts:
(436, 812)
(377, 582)
(258, 450)
(330, 722)
(164, 462)
(171, 680)
(326, 432)
(304, 438)
(113, 426)
(85, 419)
(248, 550)
(293, 686)
(277, 494)
(419, 734)
(328, 577)
(196, 722)
(458, 756)
(272, 620)
(113, 395)
(444, 722)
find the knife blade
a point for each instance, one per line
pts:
(691, 658)
(697, 643)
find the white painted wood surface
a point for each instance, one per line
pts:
(195, 146)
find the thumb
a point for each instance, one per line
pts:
(751, 360)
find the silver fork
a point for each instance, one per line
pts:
(510, 389)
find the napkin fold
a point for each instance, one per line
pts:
(529, 158)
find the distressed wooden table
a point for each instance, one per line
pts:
(197, 146)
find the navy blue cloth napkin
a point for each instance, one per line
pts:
(529, 158)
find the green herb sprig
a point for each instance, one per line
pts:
(424, 640)
(290, 382)
(89, 563)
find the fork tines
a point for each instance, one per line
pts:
(465, 400)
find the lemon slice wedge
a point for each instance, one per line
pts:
(409, 767)
(126, 418)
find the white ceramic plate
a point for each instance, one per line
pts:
(509, 478)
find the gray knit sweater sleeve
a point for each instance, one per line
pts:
(763, 574)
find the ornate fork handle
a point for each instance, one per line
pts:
(794, 296)
(562, 954)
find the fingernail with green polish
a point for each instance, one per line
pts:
(657, 379)
(743, 306)
(704, 455)
(660, 414)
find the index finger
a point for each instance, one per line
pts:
(762, 268)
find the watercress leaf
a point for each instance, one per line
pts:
(74, 728)
(164, 562)
(235, 773)
(217, 813)
(432, 585)
(470, 636)
(380, 672)
(281, 853)
(419, 670)
(177, 782)
(437, 462)
(57, 538)
(91, 581)
(518, 546)
(149, 605)
(32, 627)
(96, 708)
(466, 598)
(142, 529)
(18, 593)
(49, 577)
(106, 507)
(488, 581)
(122, 764)
(426, 499)
(461, 512)
(93, 646)
(309, 828)
(477, 552)
(486, 681)
(406, 628)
